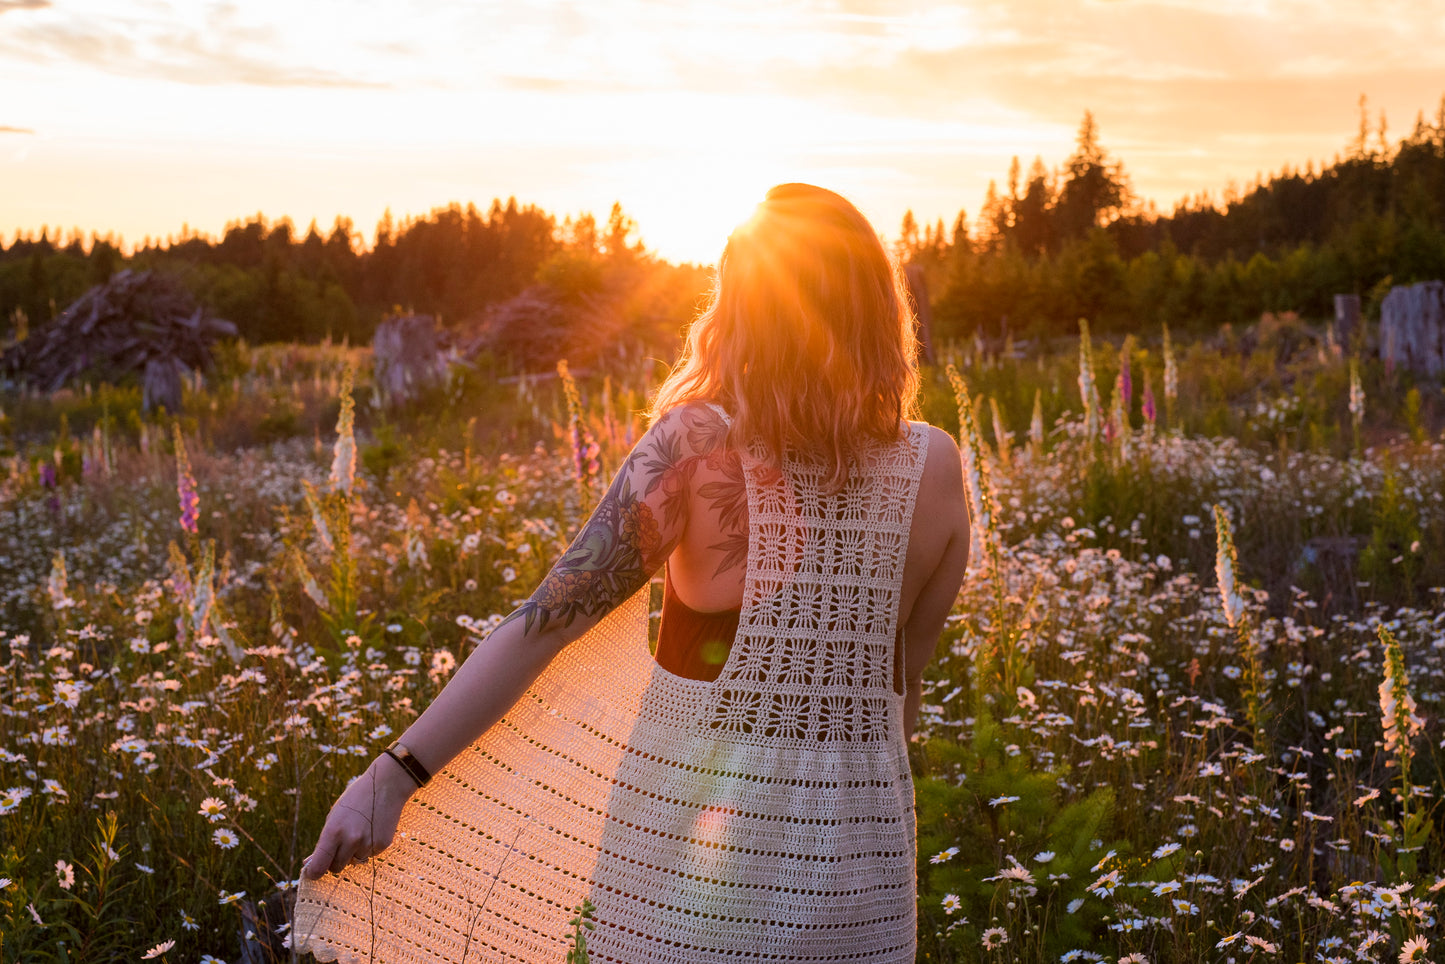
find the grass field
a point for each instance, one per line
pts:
(1119, 760)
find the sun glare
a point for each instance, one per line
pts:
(687, 206)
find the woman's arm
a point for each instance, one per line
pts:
(942, 502)
(629, 535)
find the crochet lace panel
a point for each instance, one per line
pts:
(766, 815)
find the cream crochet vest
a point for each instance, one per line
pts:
(765, 816)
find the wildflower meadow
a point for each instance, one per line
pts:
(1187, 707)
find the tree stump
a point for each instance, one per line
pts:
(161, 385)
(410, 355)
(1412, 327)
(1347, 318)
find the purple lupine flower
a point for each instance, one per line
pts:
(584, 447)
(1150, 413)
(584, 452)
(593, 450)
(47, 475)
(190, 504)
(186, 487)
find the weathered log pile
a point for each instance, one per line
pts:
(530, 331)
(1412, 327)
(537, 327)
(139, 323)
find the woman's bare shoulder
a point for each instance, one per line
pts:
(697, 425)
(942, 447)
(937, 437)
(941, 487)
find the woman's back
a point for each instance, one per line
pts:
(775, 803)
(706, 571)
(768, 810)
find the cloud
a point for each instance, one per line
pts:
(6, 129)
(7, 5)
(1181, 89)
(393, 48)
(219, 50)
(545, 85)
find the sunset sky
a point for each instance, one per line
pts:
(136, 116)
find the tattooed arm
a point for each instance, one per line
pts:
(640, 521)
(633, 530)
(615, 554)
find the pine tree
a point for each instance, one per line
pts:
(1033, 229)
(992, 219)
(907, 247)
(1095, 188)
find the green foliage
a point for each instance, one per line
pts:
(281, 421)
(1392, 558)
(574, 275)
(1000, 811)
(1412, 415)
(84, 903)
(384, 453)
(581, 923)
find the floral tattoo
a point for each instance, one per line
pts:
(623, 543)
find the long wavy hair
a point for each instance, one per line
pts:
(807, 339)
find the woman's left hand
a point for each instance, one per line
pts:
(363, 820)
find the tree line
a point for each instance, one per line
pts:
(1056, 245)
(277, 284)
(1049, 247)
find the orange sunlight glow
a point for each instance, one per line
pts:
(684, 113)
(688, 207)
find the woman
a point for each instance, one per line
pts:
(746, 793)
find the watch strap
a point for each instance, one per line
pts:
(409, 763)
